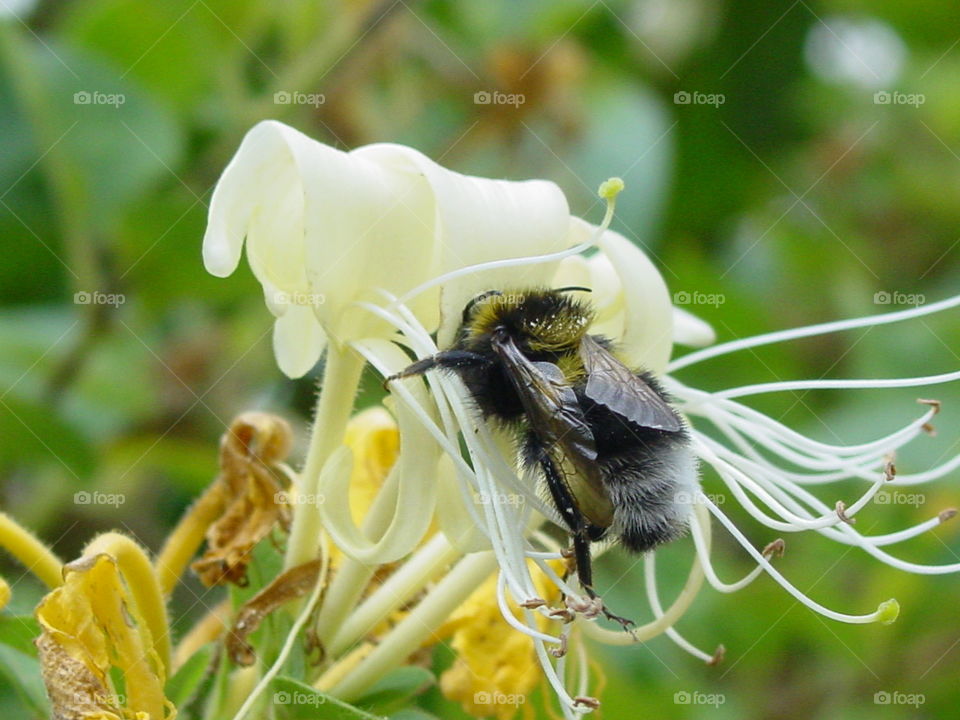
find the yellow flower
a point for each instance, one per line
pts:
(374, 439)
(91, 625)
(496, 666)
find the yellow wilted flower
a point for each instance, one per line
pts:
(374, 438)
(90, 625)
(496, 666)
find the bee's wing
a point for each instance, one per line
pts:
(549, 402)
(556, 418)
(613, 384)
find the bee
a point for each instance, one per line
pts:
(612, 453)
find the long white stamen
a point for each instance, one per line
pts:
(872, 384)
(700, 531)
(512, 619)
(886, 612)
(810, 331)
(650, 577)
(735, 478)
(773, 482)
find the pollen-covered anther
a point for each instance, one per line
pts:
(533, 603)
(561, 649)
(947, 514)
(587, 701)
(889, 468)
(589, 607)
(935, 404)
(564, 615)
(774, 549)
(721, 652)
(842, 513)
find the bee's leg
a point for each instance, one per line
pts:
(449, 359)
(579, 528)
(581, 550)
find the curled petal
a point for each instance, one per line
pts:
(409, 491)
(690, 330)
(641, 317)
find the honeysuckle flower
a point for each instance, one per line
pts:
(309, 211)
(326, 228)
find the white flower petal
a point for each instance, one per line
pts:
(298, 341)
(690, 330)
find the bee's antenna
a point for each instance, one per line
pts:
(573, 288)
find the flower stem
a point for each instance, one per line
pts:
(140, 577)
(182, 543)
(34, 555)
(395, 591)
(208, 629)
(341, 377)
(421, 624)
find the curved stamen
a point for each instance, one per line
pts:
(811, 331)
(885, 613)
(650, 577)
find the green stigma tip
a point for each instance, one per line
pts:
(888, 611)
(609, 189)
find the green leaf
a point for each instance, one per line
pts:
(396, 689)
(294, 700)
(187, 679)
(413, 714)
(18, 632)
(22, 672)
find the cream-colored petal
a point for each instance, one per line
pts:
(404, 513)
(298, 340)
(479, 220)
(690, 330)
(646, 338)
(324, 223)
(257, 194)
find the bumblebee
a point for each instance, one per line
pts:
(612, 453)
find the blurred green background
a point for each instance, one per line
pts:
(793, 160)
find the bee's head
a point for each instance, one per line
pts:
(538, 320)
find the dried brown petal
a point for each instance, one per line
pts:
(290, 585)
(254, 500)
